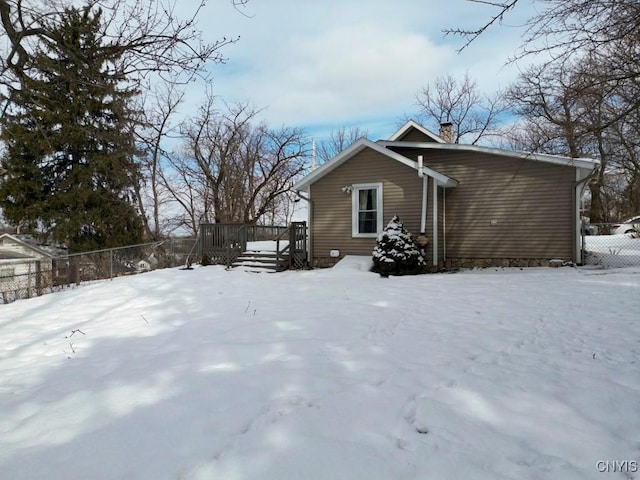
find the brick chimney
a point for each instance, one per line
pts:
(446, 131)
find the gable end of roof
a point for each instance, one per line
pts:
(356, 148)
(416, 126)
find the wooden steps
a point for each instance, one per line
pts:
(260, 261)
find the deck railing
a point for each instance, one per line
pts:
(298, 245)
(221, 243)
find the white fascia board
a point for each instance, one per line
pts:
(329, 165)
(584, 163)
(584, 173)
(26, 245)
(417, 126)
(357, 147)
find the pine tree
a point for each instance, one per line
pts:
(69, 156)
(395, 252)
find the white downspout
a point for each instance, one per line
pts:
(577, 239)
(434, 206)
(425, 180)
(444, 224)
(580, 187)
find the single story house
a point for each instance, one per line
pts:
(25, 266)
(146, 264)
(477, 206)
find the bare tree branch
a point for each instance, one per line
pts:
(474, 116)
(470, 35)
(338, 140)
(240, 168)
(148, 37)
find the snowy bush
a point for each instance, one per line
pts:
(395, 252)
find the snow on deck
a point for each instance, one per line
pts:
(266, 245)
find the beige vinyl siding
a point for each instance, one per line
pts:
(415, 135)
(331, 212)
(530, 202)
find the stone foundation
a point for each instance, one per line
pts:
(457, 263)
(462, 263)
(324, 262)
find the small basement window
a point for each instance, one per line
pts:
(366, 209)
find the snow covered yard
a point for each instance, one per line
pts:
(326, 374)
(613, 250)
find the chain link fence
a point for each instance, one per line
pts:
(28, 277)
(611, 245)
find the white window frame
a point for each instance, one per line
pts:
(355, 196)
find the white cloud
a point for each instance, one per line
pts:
(336, 63)
(350, 71)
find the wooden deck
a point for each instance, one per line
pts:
(222, 244)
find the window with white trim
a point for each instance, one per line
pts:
(366, 209)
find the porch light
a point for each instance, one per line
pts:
(347, 189)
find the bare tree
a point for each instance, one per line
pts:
(190, 198)
(566, 113)
(474, 116)
(338, 140)
(564, 27)
(146, 36)
(158, 108)
(585, 97)
(235, 168)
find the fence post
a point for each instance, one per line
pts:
(172, 253)
(582, 243)
(29, 280)
(305, 254)
(38, 278)
(110, 264)
(292, 244)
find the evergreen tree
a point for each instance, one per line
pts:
(69, 157)
(395, 252)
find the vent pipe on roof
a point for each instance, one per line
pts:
(446, 131)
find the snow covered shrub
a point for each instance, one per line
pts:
(395, 252)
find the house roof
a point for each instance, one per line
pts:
(585, 163)
(357, 147)
(416, 126)
(29, 242)
(585, 166)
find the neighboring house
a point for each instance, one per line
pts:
(25, 266)
(146, 264)
(478, 206)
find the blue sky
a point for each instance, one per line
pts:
(320, 65)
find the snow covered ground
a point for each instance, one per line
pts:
(325, 374)
(612, 250)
